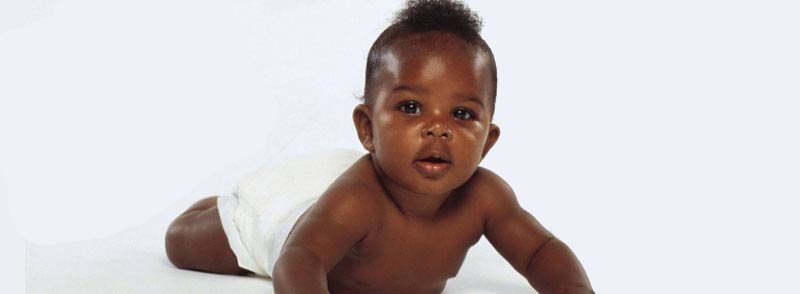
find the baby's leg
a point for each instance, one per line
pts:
(195, 240)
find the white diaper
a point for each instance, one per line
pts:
(267, 202)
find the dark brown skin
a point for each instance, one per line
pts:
(385, 226)
(195, 240)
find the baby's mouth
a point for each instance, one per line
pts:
(432, 166)
(433, 159)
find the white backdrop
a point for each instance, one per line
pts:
(659, 140)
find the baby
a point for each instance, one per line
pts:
(401, 218)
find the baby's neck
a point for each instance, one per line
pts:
(409, 203)
(415, 205)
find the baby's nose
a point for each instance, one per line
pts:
(437, 130)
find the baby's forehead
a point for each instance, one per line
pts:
(426, 43)
(438, 67)
(420, 56)
(410, 56)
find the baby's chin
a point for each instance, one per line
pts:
(437, 186)
(419, 179)
(433, 190)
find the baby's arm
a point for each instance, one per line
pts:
(331, 227)
(546, 262)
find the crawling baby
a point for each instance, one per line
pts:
(400, 217)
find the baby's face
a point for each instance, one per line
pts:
(430, 120)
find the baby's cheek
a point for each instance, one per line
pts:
(476, 142)
(471, 139)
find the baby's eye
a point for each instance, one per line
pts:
(410, 107)
(462, 113)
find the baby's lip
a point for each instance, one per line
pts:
(433, 163)
(434, 157)
(431, 168)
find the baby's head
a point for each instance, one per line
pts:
(424, 23)
(429, 98)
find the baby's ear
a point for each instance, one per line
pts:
(363, 122)
(494, 133)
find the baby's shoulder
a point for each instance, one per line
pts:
(350, 199)
(489, 190)
(347, 195)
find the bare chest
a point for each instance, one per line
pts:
(405, 255)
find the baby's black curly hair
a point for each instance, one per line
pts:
(420, 16)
